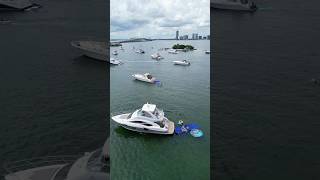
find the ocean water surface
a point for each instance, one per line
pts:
(266, 106)
(184, 94)
(53, 100)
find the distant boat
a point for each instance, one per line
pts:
(182, 63)
(115, 52)
(93, 49)
(156, 56)
(173, 51)
(147, 77)
(140, 51)
(207, 52)
(239, 5)
(114, 61)
(17, 5)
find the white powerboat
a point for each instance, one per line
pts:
(114, 61)
(93, 49)
(115, 52)
(207, 52)
(156, 56)
(140, 51)
(147, 77)
(17, 5)
(239, 5)
(148, 119)
(92, 165)
(173, 51)
(183, 63)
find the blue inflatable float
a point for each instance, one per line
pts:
(196, 133)
(181, 129)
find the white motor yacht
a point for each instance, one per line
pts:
(182, 63)
(239, 5)
(92, 165)
(93, 49)
(207, 52)
(173, 51)
(156, 56)
(114, 61)
(147, 77)
(148, 119)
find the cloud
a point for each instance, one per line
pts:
(173, 22)
(158, 18)
(125, 25)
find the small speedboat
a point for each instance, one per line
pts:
(115, 52)
(148, 119)
(140, 51)
(173, 51)
(207, 52)
(156, 56)
(114, 61)
(121, 48)
(147, 77)
(182, 63)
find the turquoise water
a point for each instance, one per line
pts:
(184, 94)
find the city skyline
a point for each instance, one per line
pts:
(158, 19)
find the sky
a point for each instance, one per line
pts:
(158, 18)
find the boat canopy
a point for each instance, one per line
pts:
(149, 107)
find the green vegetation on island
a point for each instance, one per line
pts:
(182, 46)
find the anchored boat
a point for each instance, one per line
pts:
(182, 63)
(147, 77)
(148, 119)
(140, 51)
(115, 52)
(156, 56)
(114, 61)
(173, 51)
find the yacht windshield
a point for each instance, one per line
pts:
(149, 76)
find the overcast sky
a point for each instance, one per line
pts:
(158, 18)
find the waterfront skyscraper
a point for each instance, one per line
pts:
(177, 35)
(195, 36)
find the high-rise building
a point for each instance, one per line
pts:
(177, 34)
(200, 37)
(185, 37)
(194, 36)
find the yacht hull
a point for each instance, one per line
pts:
(92, 49)
(120, 120)
(140, 130)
